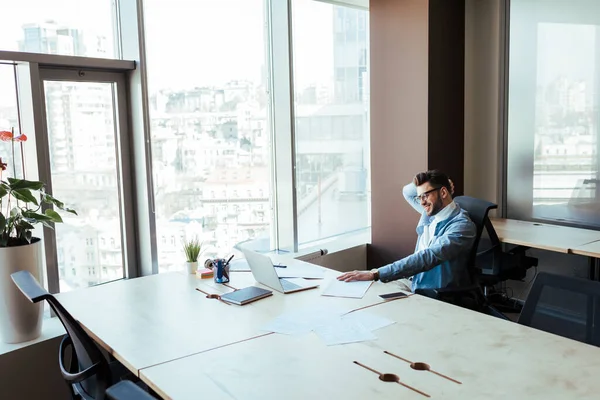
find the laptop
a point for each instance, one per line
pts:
(264, 272)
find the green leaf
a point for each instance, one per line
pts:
(24, 195)
(16, 184)
(14, 213)
(48, 199)
(23, 224)
(2, 222)
(70, 211)
(47, 224)
(54, 215)
(3, 190)
(36, 216)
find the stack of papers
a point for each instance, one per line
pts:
(356, 289)
(333, 326)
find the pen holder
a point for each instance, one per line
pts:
(220, 270)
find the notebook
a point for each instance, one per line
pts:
(246, 295)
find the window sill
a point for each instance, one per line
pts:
(336, 243)
(51, 328)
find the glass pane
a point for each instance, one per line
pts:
(83, 163)
(9, 120)
(332, 119)
(210, 132)
(67, 27)
(553, 112)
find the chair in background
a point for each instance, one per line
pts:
(88, 372)
(564, 305)
(127, 390)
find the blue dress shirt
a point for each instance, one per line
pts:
(444, 263)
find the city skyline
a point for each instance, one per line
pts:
(211, 142)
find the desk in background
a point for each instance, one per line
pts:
(561, 239)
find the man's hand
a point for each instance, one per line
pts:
(356, 276)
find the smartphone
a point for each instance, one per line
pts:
(390, 296)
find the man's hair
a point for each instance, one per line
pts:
(436, 178)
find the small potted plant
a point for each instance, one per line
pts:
(192, 249)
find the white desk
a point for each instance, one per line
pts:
(154, 319)
(172, 336)
(492, 358)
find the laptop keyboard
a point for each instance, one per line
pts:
(287, 285)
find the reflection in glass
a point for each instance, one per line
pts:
(332, 119)
(553, 117)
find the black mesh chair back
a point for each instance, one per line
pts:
(564, 305)
(88, 372)
(478, 210)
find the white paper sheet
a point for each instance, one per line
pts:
(356, 289)
(341, 331)
(303, 320)
(370, 321)
(306, 271)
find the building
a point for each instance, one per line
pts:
(350, 54)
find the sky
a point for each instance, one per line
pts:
(566, 49)
(192, 42)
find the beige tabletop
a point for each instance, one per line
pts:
(589, 249)
(543, 236)
(158, 318)
(491, 358)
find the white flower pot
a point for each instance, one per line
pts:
(191, 266)
(20, 320)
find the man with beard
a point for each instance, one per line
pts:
(446, 235)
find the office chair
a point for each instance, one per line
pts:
(127, 390)
(564, 305)
(470, 297)
(88, 373)
(489, 264)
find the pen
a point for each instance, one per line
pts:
(227, 263)
(280, 266)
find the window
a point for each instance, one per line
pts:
(85, 110)
(220, 86)
(66, 27)
(331, 163)
(553, 130)
(8, 117)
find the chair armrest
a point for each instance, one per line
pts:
(488, 251)
(127, 390)
(67, 374)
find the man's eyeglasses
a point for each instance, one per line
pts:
(423, 196)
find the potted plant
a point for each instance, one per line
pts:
(21, 208)
(192, 249)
